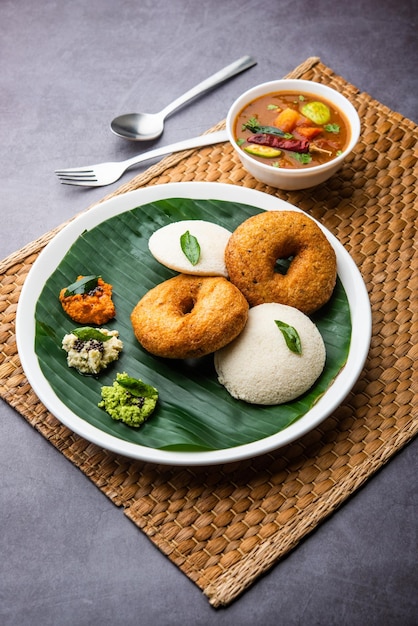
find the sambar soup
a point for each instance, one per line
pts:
(291, 130)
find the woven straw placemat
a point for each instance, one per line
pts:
(224, 526)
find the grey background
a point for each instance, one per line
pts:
(67, 555)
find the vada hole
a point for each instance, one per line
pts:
(282, 265)
(186, 306)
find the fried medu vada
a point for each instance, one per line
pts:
(255, 246)
(189, 316)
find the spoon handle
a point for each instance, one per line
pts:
(219, 136)
(237, 67)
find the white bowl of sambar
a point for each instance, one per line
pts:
(292, 133)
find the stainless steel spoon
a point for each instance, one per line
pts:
(147, 126)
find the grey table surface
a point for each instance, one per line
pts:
(68, 556)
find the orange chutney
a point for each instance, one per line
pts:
(94, 307)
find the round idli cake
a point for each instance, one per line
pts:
(258, 367)
(165, 246)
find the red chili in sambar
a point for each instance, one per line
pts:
(291, 130)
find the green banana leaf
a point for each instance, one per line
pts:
(194, 412)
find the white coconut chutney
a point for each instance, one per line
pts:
(92, 356)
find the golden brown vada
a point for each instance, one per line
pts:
(189, 316)
(256, 245)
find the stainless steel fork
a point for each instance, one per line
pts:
(108, 173)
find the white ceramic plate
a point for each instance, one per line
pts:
(55, 251)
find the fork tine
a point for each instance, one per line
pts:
(79, 182)
(75, 170)
(77, 177)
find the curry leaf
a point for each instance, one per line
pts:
(253, 125)
(86, 333)
(291, 336)
(83, 285)
(190, 246)
(137, 387)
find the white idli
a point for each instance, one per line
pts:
(259, 368)
(164, 245)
